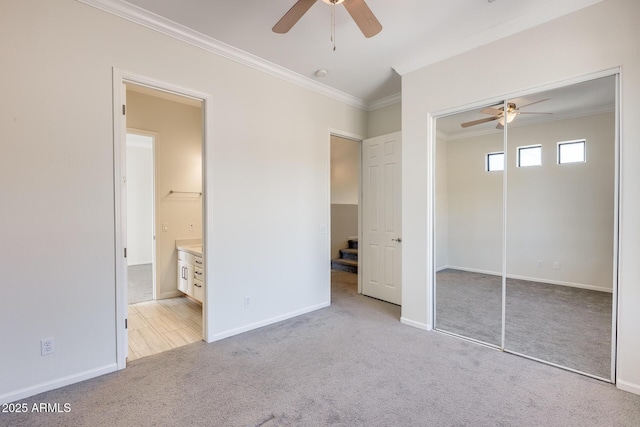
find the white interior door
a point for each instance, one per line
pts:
(381, 245)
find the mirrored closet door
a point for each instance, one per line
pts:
(469, 225)
(560, 227)
(525, 225)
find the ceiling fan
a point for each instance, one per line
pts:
(358, 9)
(501, 115)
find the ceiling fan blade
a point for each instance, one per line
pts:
(292, 16)
(531, 103)
(500, 126)
(492, 111)
(480, 121)
(364, 18)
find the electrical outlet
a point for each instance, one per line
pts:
(47, 346)
(247, 301)
(165, 226)
(540, 265)
(556, 265)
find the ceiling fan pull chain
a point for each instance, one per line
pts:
(333, 25)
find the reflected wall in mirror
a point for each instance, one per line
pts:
(469, 227)
(560, 229)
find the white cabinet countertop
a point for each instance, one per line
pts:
(192, 246)
(192, 249)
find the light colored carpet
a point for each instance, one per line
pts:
(469, 304)
(351, 364)
(560, 324)
(140, 280)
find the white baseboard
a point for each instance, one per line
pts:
(172, 294)
(627, 386)
(231, 332)
(472, 270)
(413, 323)
(57, 383)
(131, 264)
(530, 279)
(442, 268)
(561, 283)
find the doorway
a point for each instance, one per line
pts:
(171, 315)
(178, 120)
(366, 196)
(345, 211)
(345, 208)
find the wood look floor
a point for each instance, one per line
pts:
(157, 326)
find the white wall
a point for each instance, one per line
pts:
(593, 39)
(345, 171)
(385, 120)
(57, 216)
(139, 199)
(178, 167)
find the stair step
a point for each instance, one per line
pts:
(348, 265)
(353, 243)
(351, 254)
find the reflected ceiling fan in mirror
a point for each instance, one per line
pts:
(358, 9)
(500, 114)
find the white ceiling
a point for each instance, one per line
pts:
(415, 33)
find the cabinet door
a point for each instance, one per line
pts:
(182, 276)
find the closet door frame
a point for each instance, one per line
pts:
(431, 264)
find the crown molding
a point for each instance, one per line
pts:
(539, 120)
(442, 135)
(503, 30)
(165, 26)
(385, 102)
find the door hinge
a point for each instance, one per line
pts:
(124, 110)
(125, 252)
(126, 323)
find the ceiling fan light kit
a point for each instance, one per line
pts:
(500, 115)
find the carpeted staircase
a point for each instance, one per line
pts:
(348, 260)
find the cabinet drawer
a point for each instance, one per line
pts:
(198, 261)
(198, 273)
(198, 290)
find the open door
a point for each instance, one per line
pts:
(121, 258)
(381, 218)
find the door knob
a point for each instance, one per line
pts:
(399, 240)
